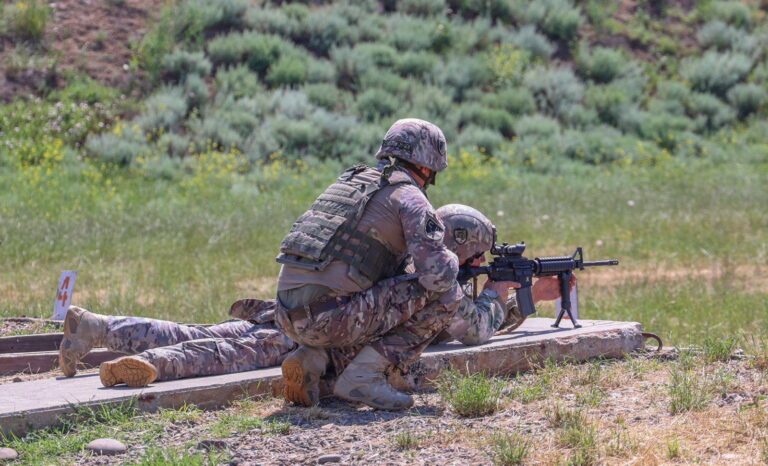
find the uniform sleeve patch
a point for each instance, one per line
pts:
(433, 229)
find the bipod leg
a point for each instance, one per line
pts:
(565, 299)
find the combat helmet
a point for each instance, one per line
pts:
(416, 141)
(467, 231)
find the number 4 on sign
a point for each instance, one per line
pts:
(64, 294)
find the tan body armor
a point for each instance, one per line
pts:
(329, 229)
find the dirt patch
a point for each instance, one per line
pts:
(749, 278)
(28, 326)
(90, 37)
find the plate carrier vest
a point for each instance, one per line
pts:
(328, 230)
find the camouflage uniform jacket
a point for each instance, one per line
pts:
(478, 320)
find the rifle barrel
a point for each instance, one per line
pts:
(601, 263)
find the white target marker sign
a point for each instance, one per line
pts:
(64, 294)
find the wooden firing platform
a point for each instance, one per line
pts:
(35, 404)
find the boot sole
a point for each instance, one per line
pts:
(68, 360)
(132, 372)
(293, 376)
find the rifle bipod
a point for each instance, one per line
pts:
(565, 299)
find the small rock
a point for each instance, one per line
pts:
(106, 446)
(329, 459)
(214, 444)
(8, 454)
(328, 426)
(730, 456)
(17, 379)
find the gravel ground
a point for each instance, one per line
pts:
(627, 404)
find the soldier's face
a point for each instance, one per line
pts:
(478, 261)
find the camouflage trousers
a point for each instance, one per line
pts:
(396, 316)
(180, 351)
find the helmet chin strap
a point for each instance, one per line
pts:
(416, 170)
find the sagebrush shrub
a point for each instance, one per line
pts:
(194, 19)
(290, 70)
(374, 104)
(324, 95)
(178, 64)
(537, 127)
(609, 101)
(25, 21)
(270, 21)
(493, 9)
(322, 30)
(480, 115)
(747, 98)
(733, 12)
(532, 42)
(601, 64)
(486, 140)
(562, 20)
(238, 81)
(556, 90)
(195, 91)
(709, 113)
(258, 51)
(409, 33)
(416, 64)
(461, 74)
(164, 110)
(119, 149)
(421, 7)
(386, 80)
(719, 35)
(716, 72)
(516, 100)
(320, 71)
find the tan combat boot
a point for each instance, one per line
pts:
(133, 371)
(302, 370)
(364, 380)
(82, 331)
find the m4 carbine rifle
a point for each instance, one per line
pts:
(509, 264)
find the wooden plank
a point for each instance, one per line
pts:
(44, 361)
(30, 343)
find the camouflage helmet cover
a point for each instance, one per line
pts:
(416, 141)
(467, 231)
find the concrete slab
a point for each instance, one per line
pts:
(35, 404)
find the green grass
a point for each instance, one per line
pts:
(406, 440)
(688, 390)
(509, 448)
(470, 395)
(174, 457)
(185, 250)
(229, 424)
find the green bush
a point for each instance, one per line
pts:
(195, 92)
(709, 113)
(164, 110)
(378, 55)
(486, 140)
(716, 72)
(385, 80)
(532, 42)
(374, 104)
(493, 9)
(25, 21)
(257, 50)
(320, 71)
(516, 100)
(238, 81)
(664, 129)
(84, 89)
(732, 12)
(601, 64)
(556, 90)
(480, 115)
(409, 33)
(461, 74)
(416, 64)
(608, 101)
(290, 70)
(558, 19)
(178, 64)
(537, 127)
(323, 30)
(509, 449)
(719, 35)
(421, 7)
(432, 104)
(324, 95)
(270, 21)
(599, 145)
(747, 98)
(116, 149)
(195, 20)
